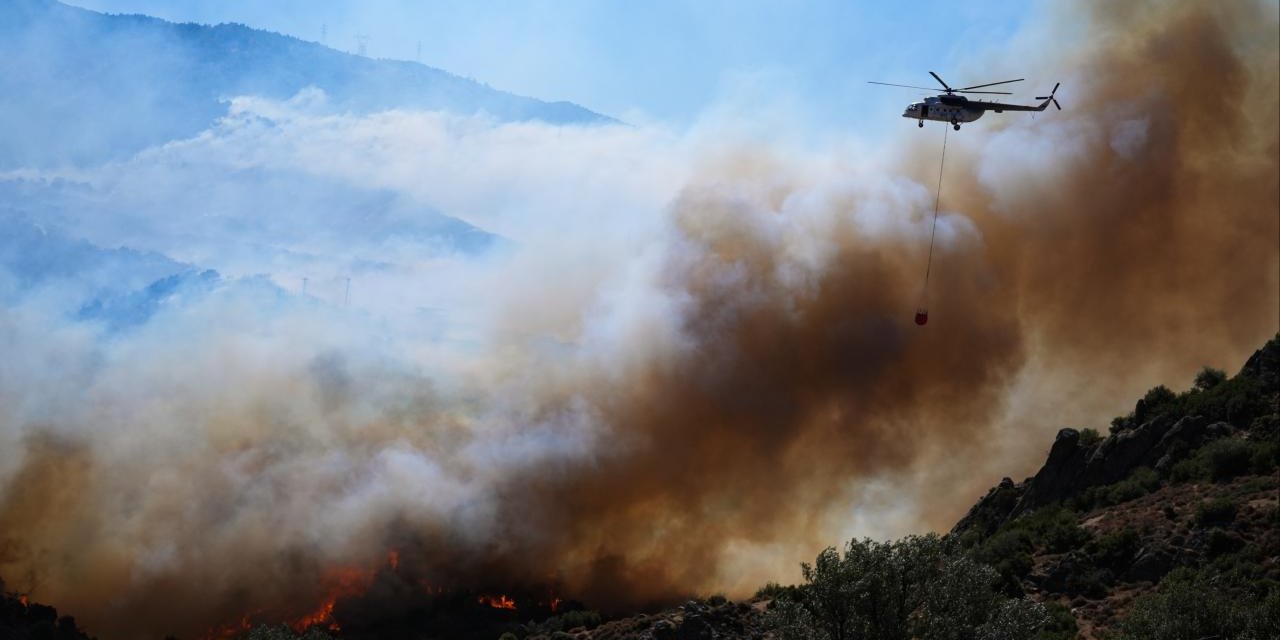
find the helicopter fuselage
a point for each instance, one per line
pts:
(953, 109)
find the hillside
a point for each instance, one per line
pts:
(1165, 528)
(102, 86)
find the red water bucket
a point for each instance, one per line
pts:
(922, 316)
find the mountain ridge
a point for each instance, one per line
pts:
(103, 86)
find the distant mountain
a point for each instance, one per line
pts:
(36, 255)
(79, 86)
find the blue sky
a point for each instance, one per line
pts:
(663, 60)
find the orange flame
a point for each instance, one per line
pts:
(322, 617)
(23, 599)
(497, 602)
(229, 631)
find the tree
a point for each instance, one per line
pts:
(916, 587)
(1189, 607)
(1209, 378)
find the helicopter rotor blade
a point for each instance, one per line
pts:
(1001, 93)
(991, 84)
(1055, 90)
(941, 82)
(1050, 96)
(890, 84)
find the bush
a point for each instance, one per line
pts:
(1114, 550)
(1155, 402)
(915, 587)
(1209, 378)
(1189, 470)
(1240, 401)
(1265, 457)
(775, 590)
(1091, 582)
(1061, 625)
(1227, 458)
(283, 632)
(1198, 609)
(1142, 481)
(1089, 437)
(1215, 512)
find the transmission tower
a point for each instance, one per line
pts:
(362, 45)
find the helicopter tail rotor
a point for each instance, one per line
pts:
(1049, 98)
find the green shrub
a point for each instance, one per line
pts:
(1215, 512)
(1090, 582)
(1009, 552)
(1194, 608)
(283, 632)
(775, 590)
(1189, 470)
(915, 587)
(1089, 437)
(1061, 625)
(1227, 458)
(1240, 401)
(1114, 550)
(1142, 481)
(1156, 401)
(1209, 378)
(1265, 457)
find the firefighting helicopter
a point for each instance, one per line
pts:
(949, 107)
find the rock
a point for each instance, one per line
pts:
(991, 510)
(694, 627)
(1057, 577)
(663, 630)
(1150, 565)
(1060, 475)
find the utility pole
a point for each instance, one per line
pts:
(324, 33)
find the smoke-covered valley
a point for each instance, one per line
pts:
(252, 347)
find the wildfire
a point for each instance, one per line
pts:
(497, 602)
(233, 630)
(23, 599)
(555, 604)
(322, 617)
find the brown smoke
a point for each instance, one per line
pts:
(1145, 240)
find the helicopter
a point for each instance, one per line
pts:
(949, 107)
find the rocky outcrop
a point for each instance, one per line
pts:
(992, 509)
(1074, 466)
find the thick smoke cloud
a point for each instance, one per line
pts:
(688, 365)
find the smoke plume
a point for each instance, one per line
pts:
(705, 374)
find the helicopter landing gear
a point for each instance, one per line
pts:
(955, 125)
(920, 124)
